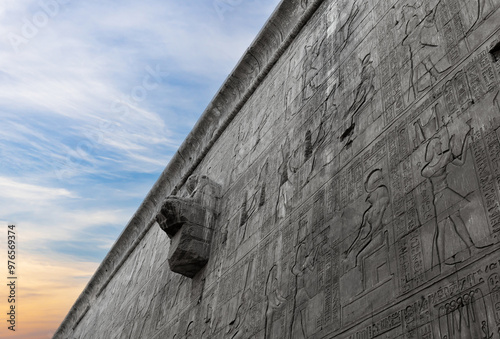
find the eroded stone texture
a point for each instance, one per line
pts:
(189, 221)
(360, 186)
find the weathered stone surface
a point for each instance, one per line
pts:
(358, 152)
(175, 212)
(189, 250)
(189, 221)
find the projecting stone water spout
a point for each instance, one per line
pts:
(189, 223)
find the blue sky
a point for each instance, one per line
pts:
(95, 98)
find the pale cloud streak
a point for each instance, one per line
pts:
(93, 106)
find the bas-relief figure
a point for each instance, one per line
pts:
(422, 40)
(318, 138)
(363, 95)
(311, 66)
(286, 187)
(346, 23)
(240, 145)
(240, 326)
(274, 301)
(235, 309)
(447, 202)
(371, 234)
(304, 273)
(253, 200)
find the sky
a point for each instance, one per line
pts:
(95, 98)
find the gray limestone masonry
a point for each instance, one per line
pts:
(343, 183)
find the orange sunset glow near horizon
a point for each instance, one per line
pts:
(46, 290)
(95, 99)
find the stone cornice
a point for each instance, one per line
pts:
(280, 30)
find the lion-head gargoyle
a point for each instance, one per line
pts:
(189, 222)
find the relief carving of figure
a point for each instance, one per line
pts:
(480, 13)
(275, 300)
(371, 233)
(239, 326)
(365, 89)
(364, 93)
(321, 135)
(311, 66)
(285, 185)
(347, 25)
(190, 331)
(239, 151)
(422, 40)
(448, 202)
(303, 270)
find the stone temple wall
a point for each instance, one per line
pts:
(343, 183)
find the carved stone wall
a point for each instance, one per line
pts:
(359, 166)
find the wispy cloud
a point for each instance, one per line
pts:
(95, 98)
(24, 193)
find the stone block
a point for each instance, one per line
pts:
(189, 221)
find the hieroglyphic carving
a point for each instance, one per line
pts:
(486, 183)
(493, 145)
(318, 211)
(417, 320)
(328, 281)
(494, 285)
(412, 218)
(347, 186)
(375, 153)
(411, 261)
(450, 20)
(488, 75)
(384, 325)
(464, 316)
(355, 175)
(385, 37)
(392, 96)
(405, 281)
(397, 186)
(450, 99)
(476, 85)
(463, 90)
